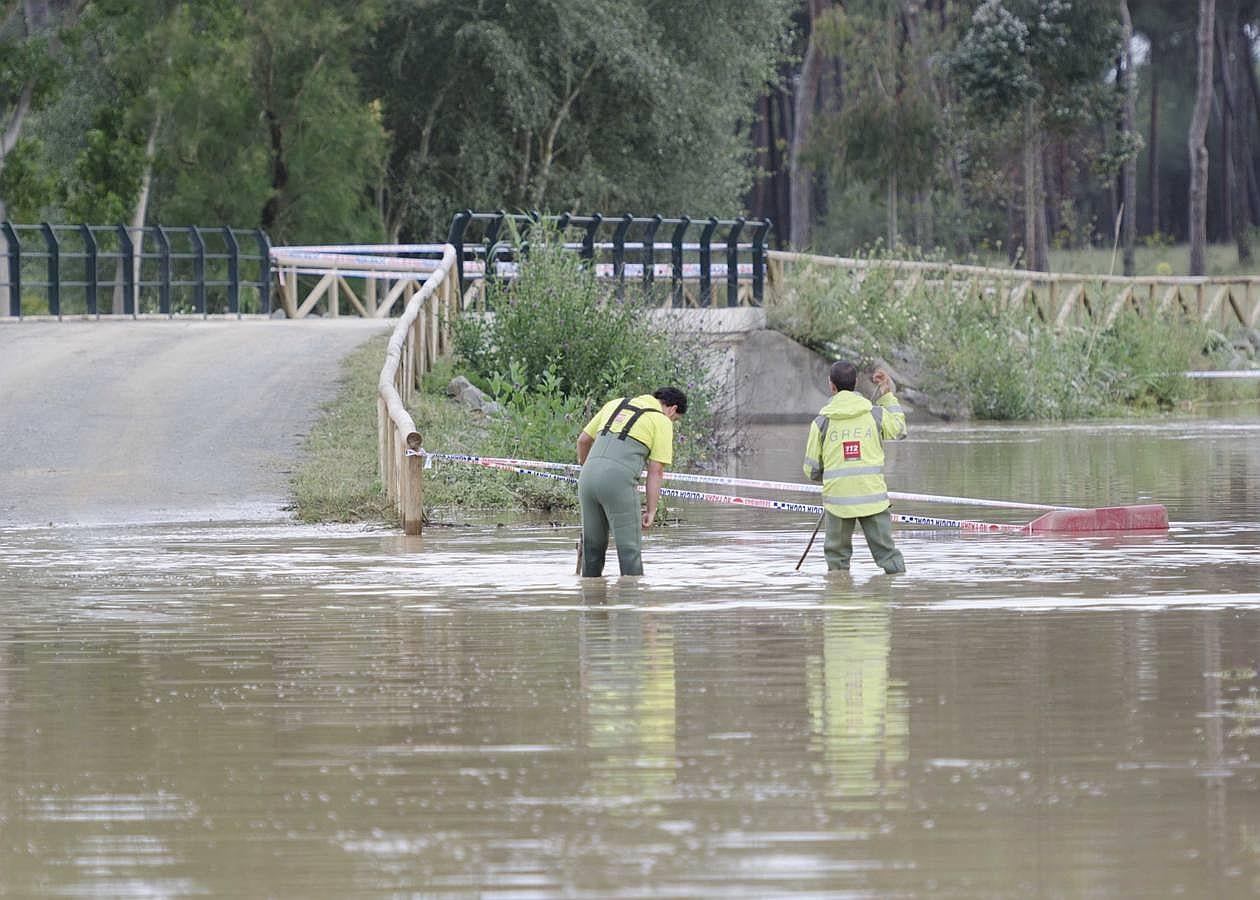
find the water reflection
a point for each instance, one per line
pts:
(265, 709)
(861, 715)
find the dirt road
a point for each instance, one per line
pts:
(157, 420)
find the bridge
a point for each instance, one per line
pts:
(185, 394)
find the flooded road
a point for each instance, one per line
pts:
(264, 709)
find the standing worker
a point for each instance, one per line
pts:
(612, 449)
(845, 451)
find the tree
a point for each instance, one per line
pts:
(31, 55)
(1128, 170)
(1043, 62)
(888, 131)
(605, 105)
(808, 88)
(1196, 139)
(1236, 128)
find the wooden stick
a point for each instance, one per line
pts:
(811, 540)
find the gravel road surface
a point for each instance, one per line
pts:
(159, 420)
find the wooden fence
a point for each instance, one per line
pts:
(1058, 299)
(319, 279)
(422, 333)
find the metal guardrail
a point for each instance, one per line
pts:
(624, 248)
(158, 269)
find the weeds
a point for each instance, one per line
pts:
(1006, 362)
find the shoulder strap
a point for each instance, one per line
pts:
(625, 403)
(636, 410)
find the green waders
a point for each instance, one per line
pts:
(838, 544)
(607, 492)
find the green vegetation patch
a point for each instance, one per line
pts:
(1003, 362)
(336, 480)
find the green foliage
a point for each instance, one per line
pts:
(256, 115)
(556, 320)
(890, 122)
(558, 345)
(1051, 53)
(107, 172)
(1006, 363)
(542, 421)
(29, 65)
(1141, 359)
(609, 104)
(993, 63)
(26, 183)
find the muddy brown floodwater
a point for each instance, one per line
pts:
(258, 708)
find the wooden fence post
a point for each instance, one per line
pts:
(413, 501)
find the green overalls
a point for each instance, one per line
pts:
(608, 494)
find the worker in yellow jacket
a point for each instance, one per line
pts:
(626, 435)
(845, 451)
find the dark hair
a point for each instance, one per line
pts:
(843, 375)
(672, 396)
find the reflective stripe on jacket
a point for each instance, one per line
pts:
(845, 451)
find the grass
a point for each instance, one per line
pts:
(337, 480)
(1160, 259)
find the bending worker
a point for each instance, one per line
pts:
(845, 451)
(612, 449)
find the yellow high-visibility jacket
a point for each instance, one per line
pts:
(845, 451)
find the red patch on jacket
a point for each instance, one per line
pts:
(852, 450)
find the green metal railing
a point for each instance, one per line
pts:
(626, 248)
(61, 270)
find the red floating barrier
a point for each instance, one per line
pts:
(1148, 517)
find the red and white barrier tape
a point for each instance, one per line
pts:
(732, 500)
(755, 483)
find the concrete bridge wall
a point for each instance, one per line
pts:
(775, 379)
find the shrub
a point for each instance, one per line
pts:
(1007, 363)
(558, 344)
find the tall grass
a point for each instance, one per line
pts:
(1005, 363)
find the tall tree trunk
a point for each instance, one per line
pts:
(1043, 213)
(279, 172)
(139, 214)
(1246, 65)
(763, 168)
(812, 70)
(1197, 139)
(893, 229)
(921, 207)
(1036, 239)
(1153, 150)
(1227, 45)
(1224, 208)
(1030, 178)
(1128, 172)
(783, 196)
(768, 196)
(547, 142)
